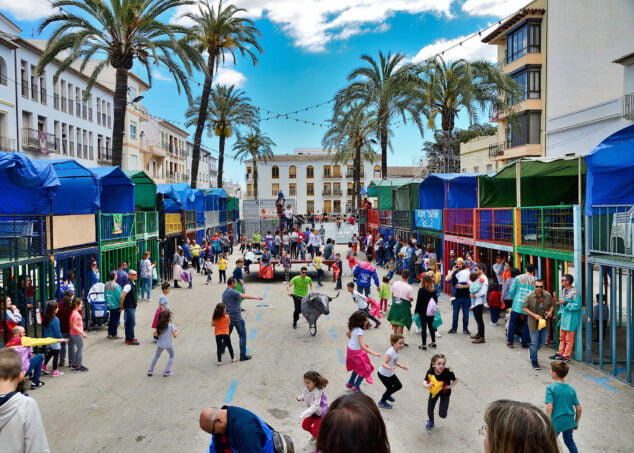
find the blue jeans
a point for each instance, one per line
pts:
(130, 322)
(367, 310)
(568, 440)
(36, 367)
(355, 380)
(146, 286)
(365, 290)
(242, 333)
(538, 339)
(511, 330)
(113, 322)
(461, 304)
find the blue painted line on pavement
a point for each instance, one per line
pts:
(333, 334)
(328, 317)
(266, 288)
(258, 317)
(264, 296)
(253, 332)
(620, 370)
(231, 391)
(342, 359)
(602, 381)
(248, 351)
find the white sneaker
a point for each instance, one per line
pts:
(438, 335)
(492, 324)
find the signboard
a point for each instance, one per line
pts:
(429, 219)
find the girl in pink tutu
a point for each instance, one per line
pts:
(357, 359)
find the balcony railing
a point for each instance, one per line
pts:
(173, 223)
(494, 225)
(146, 222)
(497, 149)
(612, 231)
(8, 145)
(22, 237)
(117, 227)
(43, 141)
(104, 154)
(547, 227)
(459, 222)
(628, 106)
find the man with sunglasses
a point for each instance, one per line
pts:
(538, 305)
(302, 285)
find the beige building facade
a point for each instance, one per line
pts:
(474, 155)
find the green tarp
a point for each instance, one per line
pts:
(385, 188)
(144, 190)
(232, 204)
(373, 188)
(406, 196)
(544, 182)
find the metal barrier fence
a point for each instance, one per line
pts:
(459, 222)
(173, 224)
(117, 227)
(403, 220)
(146, 222)
(547, 227)
(494, 225)
(22, 237)
(612, 229)
(190, 219)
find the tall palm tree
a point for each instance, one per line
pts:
(387, 88)
(446, 89)
(228, 109)
(350, 135)
(220, 32)
(254, 146)
(122, 32)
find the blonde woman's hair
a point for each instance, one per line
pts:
(518, 427)
(433, 264)
(428, 283)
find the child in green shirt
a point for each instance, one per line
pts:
(384, 293)
(562, 405)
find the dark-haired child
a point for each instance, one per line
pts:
(357, 359)
(220, 323)
(166, 333)
(388, 368)
(315, 400)
(495, 303)
(562, 405)
(447, 379)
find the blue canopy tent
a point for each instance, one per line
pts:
(462, 191)
(26, 186)
(212, 199)
(610, 170)
(176, 196)
(432, 191)
(80, 190)
(117, 190)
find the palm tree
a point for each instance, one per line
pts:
(254, 146)
(386, 88)
(350, 135)
(122, 31)
(219, 33)
(227, 109)
(474, 86)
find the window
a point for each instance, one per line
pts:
(489, 167)
(310, 172)
(476, 169)
(529, 80)
(310, 206)
(327, 173)
(292, 190)
(327, 206)
(132, 129)
(249, 190)
(336, 189)
(292, 172)
(310, 189)
(336, 171)
(3, 72)
(337, 206)
(524, 39)
(377, 171)
(350, 186)
(275, 173)
(275, 189)
(527, 131)
(327, 190)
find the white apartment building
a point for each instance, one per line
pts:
(590, 86)
(8, 120)
(166, 145)
(207, 168)
(310, 177)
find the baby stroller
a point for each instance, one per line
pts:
(97, 303)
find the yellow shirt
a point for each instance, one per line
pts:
(222, 264)
(318, 260)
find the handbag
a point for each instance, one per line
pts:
(432, 308)
(437, 321)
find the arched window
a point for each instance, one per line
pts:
(377, 171)
(275, 172)
(310, 172)
(3, 72)
(292, 172)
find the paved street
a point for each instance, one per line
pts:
(116, 407)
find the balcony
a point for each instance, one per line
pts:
(547, 227)
(331, 176)
(104, 154)
(497, 149)
(117, 227)
(459, 222)
(494, 225)
(628, 106)
(146, 223)
(40, 140)
(22, 237)
(8, 145)
(349, 174)
(173, 223)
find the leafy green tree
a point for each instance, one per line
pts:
(220, 32)
(385, 89)
(124, 32)
(255, 146)
(350, 135)
(228, 109)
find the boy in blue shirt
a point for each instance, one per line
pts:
(562, 405)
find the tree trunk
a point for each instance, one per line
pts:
(118, 125)
(255, 178)
(221, 159)
(202, 118)
(384, 151)
(356, 177)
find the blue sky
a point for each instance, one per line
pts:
(310, 47)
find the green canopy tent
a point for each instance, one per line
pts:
(405, 196)
(385, 189)
(144, 190)
(534, 182)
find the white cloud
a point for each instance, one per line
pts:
(156, 75)
(312, 24)
(469, 50)
(496, 8)
(226, 76)
(26, 9)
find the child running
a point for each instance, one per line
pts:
(562, 405)
(357, 359)
(316, 402)
(286, 264)
(50, 323)
(384, 293)
(77, 335)
(163, 305)
(209, 268)
(317, 262)
(387, 371)
(166, 333)
(220, 323)
(362, 303)
(445, 378)
(222, 268)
